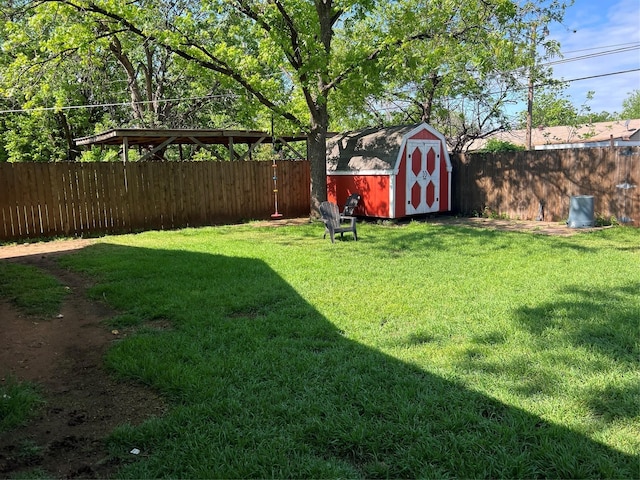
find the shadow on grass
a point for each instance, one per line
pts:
(264, 386)
(430, 239)
(606, 320)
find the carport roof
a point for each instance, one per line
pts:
(157, 137)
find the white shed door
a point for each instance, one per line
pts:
(423, 176)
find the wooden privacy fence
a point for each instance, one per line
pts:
(515, 184)
(88, 199)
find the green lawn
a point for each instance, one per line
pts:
(418, 351)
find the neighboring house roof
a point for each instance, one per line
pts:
(621, 130)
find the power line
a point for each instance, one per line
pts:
(601, 75)
(551, 82)
(600, 47)
(593, 55)
(390, 108)
(117, 104)
(122, 104)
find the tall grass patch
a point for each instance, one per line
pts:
(19, 401)
(30, 289)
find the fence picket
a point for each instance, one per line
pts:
(5, 230)
(46, 206)
(119, 182)
(9, 201)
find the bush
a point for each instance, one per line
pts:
(494, 146)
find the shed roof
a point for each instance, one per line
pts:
(370, 149)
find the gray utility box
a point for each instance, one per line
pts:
(581, 212)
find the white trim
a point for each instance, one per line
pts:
(416, 130)
(449, 191)
(355, 173)
(392, 196)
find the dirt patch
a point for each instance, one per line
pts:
(543, 228)
(32, 250)
(64, 356)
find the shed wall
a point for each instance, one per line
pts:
(424, 134)
(373, 188)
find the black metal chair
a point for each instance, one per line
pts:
(333, 221)
(351, 204)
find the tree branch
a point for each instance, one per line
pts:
(386, 47)
(215, 64)
(296, 55)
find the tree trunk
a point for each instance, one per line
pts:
(317, 152)
(72, 152)
(429, 94)
(317, 103)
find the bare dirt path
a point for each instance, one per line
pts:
(63, 355)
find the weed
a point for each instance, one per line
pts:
(19, 402)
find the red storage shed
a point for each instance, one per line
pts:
(399, 171)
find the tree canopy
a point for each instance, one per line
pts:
(307, 65)
(631, 105)
(553, 108)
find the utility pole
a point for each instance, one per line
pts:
(530, 88)
(533, 73)
(529, 112)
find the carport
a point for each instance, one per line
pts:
(155, 141)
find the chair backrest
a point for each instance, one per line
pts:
(351, 204)
(330, 213)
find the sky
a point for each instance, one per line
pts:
(600, 26)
